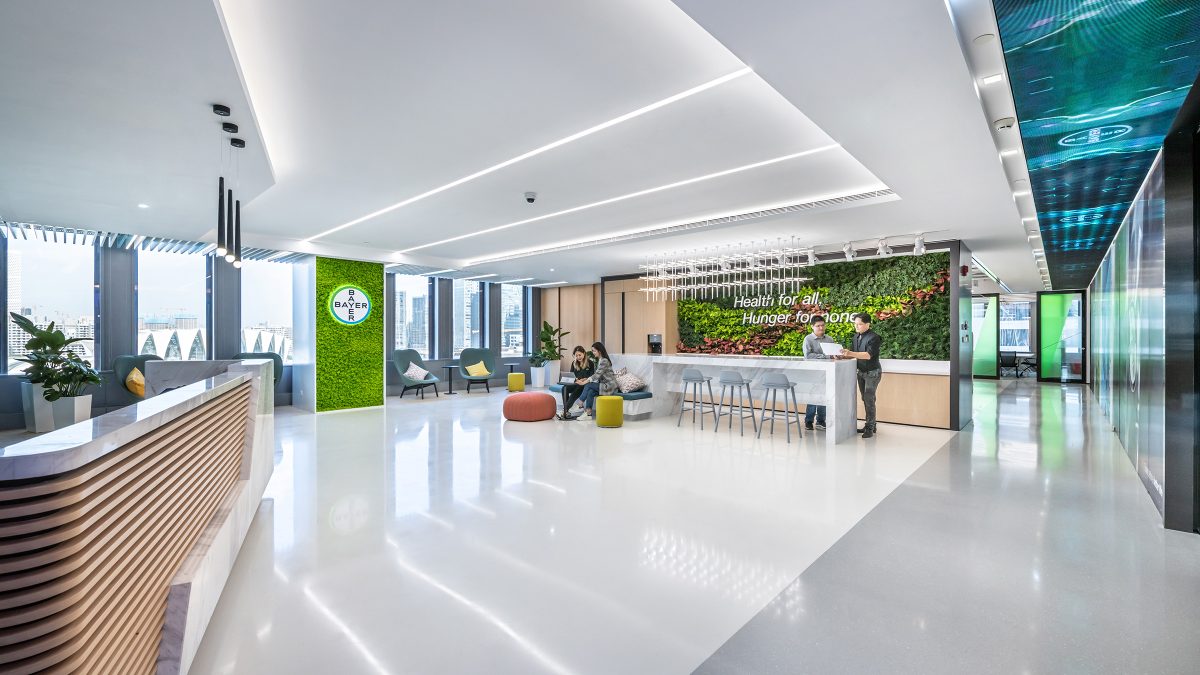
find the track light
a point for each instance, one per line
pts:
(919, 245)
(884, 249)
(848, 249)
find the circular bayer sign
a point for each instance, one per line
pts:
(350, 305)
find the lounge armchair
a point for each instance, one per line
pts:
(402, 359)
(277, 372)
(469, 357)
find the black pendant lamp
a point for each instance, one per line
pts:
(229, 243)
(237, 234)
(221, 246)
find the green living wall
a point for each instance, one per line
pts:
(349, 358)
(909, 297)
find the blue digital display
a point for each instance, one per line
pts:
(1096, 85)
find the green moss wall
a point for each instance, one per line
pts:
(908, 296)
(349, 359)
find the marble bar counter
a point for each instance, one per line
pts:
(119, 532)
(831, 383)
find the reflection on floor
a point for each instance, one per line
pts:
(432, 536)
(1027, 545)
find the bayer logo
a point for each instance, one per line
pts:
(350, 305)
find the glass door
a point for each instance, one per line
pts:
(1062, 340)
(985, 328)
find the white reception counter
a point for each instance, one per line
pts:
(822, 382)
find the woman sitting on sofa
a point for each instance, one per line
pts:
(582, 369)
(602, 383)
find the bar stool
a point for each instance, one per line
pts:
(773, 383)
(697, 380)
(734, 383)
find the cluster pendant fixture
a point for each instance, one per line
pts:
(229, 209)
(757, 269)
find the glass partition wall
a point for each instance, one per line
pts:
(1062, 346)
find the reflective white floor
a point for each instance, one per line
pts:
(433, 537)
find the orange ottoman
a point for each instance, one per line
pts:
(529, 406)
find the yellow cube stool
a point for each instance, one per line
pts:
(516, 381)
(610, 411)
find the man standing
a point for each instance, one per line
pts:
(812, 350)
(866, 350)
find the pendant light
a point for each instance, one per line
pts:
(221, 247)
(237, 234)
(229, 230)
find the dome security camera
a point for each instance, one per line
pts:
(530, 197)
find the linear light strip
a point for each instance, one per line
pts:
(545, 148)
(631, 195)
(659, 229)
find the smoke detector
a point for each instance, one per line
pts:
(1004, 123)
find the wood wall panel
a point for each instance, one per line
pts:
(87, 557)
(635, 323)
(550, 306)
(920, 400)
(612, 322)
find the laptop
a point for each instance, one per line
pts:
(831, 348)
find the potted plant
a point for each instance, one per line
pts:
(544, 362)
(56, 377)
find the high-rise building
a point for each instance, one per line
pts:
(418, 325)
(400, 321)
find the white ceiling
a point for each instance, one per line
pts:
(363, 104)
(106, 105)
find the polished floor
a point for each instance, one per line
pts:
(433, 537)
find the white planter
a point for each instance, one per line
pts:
(551, 372)
(42, 415)
(537, 377)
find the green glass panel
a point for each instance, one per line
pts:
(985, 352)
(1052, 316)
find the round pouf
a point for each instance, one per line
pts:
(516, 381)
(529, 406)
(609, 411)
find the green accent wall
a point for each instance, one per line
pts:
(349, 358)
(986, 350)
(909, 297)
(1052, 317)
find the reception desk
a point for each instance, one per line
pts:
(910, 392)
(821, 382)
(117, 534)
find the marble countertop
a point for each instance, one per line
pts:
(913, 367)
(71, 447)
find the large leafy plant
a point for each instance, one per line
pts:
(60, 371)
(550, 349)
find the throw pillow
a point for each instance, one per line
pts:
(415, 372)
(628, 382)
(135, 382)
(478, 370)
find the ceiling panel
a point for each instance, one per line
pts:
(108, 105)
(740, 124)
(1097, 86)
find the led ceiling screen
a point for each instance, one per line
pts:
(1097, 85)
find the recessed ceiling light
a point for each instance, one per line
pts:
(552, 283)
(984, 38)
(1008, 153)
(1022, 193)
(513, 281)
(992, 79)
(545, 148)
(143, 206)
(551, 269)
(480, 276)
(631, 195)
(1029, 220)
(440, 272)
(1032, 237)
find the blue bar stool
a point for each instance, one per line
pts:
(774, 383)
(734, 383)
(697, 381)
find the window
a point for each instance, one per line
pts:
(172, 303)
(468, 315)
(512, 320)
(267, 308)
(51, 282)
(1014, 326)
(411, 311)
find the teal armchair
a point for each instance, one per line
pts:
(277, 373)
(469, 357)
(402, 359)
(124, 365)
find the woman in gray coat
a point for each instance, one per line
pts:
(602, 383)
